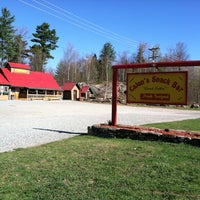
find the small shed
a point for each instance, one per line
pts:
(70, 91)
(85, 92)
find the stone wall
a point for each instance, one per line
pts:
(116, 132)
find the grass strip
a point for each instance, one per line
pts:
(188, 125)
(86, 167)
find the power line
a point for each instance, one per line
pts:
(90, 23)
(77, 21)
(81, 24)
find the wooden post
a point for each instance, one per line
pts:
(114, 97)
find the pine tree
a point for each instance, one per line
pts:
(6, 36)
(107, 56)
(37, 59)
(61, 73)
(140, 57)
(19, 46)
(45, 40)
(94, 72)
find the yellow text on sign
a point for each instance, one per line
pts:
(157, 88)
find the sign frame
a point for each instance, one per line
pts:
(152, 65)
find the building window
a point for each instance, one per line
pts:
(50, 92)
(41, 92)
(6, 88)
(31, 91)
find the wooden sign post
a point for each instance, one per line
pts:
(154, 88)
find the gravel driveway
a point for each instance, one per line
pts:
(30, 123)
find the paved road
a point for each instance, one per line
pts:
(30, 123)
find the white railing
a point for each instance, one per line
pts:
(43, 97)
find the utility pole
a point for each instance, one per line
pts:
(154, 53)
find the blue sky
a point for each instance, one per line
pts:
(89, 24)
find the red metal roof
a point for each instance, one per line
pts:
(84, 89)
(18, 65)
(34, 80)
(68, 85)
(3, 80)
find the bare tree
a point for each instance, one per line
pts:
(141, 53)
(68, 58)
(179, 52)
(87, 68)
(69, 67)
(123, 59)
(194, 85)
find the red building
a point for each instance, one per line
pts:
(75, 91)
(85, 92)
(71, 91)
(17, 81)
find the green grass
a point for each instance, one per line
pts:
(188, 125)
(86, 167)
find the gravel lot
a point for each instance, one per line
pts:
(30, 123)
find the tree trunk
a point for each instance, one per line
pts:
(106, 89)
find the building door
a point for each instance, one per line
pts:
(23, 93)
(75, 95)
(67, 95)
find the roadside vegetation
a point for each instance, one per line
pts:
(86, 167)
